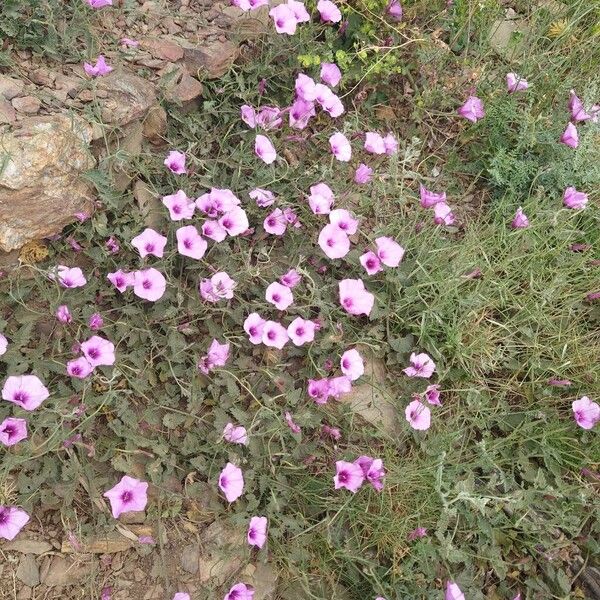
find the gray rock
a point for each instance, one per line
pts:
(10, 87)
(59, 571)
(507, 37)
(25, 546)
(28, 571)
(8, 114)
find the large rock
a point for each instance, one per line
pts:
(210, 59)
(41, 188)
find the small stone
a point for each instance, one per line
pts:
(10, 87)
(507, 37)
(138, 574)
(86, 95)
(61, 571)
(155, 125)
(190, 558)
(7, 112)
(25, 546)
(163, 49)
(70, 84)
(187, 90)
(28, 571)
(25, 593)
(27, 105)
(213, 58)
(43, 77)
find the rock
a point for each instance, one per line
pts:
(106, 544)
(70, 85)
(190, 558)
(212, 59)
(25, 546)
(371, 400)
(7, 112)
(162, 48)
(24, 593)
(148, 203)
(155, 125)
(507, 37)
(26, 104)
(59, 571)
(41, 187)
(129, 97)
(42, 77)
(247, 25)
(186, 91)
(156, 592)
(10, 87)
(263, 578)
(28, 571)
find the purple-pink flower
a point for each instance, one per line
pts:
(389, 252)
(354, 297)
(429, 199)
(352, 364)
(343, 219)
(149, 284)
(291, 279)
(340, 147)
(334, 242)
(3, 344)
(100, 69)
(329, 12)
(421, 365)
(69, 277)
(574, 199)
(279, 295)
(219, 287)
(275, 223)
(149, 242)
(263, 147)
(370, 261)
(348, 475)
(263, 198)
(472, 109)
(274, 335)
(284, 19)
(190, 242)
(419, 532)
(12, 431)
(374, 143)
(300, 113)
(95, 322)
(63, 314)
(121, 280)
(330, 74)
(373, 470)
(586, 412)
(181, 596)
(175, 162)
(363, 174)
(128, 495)
(321, 199)
(212, 230)
(12, 520)
(234, 221)
(432, 394)
(179, 205)
(453, 592)
(418, 415)
(99, 3)
(577, 109)
(231, 482)
(26, 391)
(235, 434)
(394, 10)
(442, 214)
(257, 531)
(253, 326)
(301, 331)
(515, 83)
(79, 367)
(241, 591)
(98, 351)
(294, 427)
(570, 137)
(520, 220)
(217, 356)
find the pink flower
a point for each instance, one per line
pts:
(330, 74)
(262, 197)
(175, 162)
(240, 591)
(305, 87)
(320, 199)
(219, 286)
(370, 261)
(340, 147)
(98, 351)
(149, 284)
(80, 367)
(217, 201)
(12, 520)
(128, 42)
(291, 424)
(520, 220)
(373, 470)
(472, 109)
(301, 112)
(352, 364)
(4, 343)
(279, 295)
(99, 3)
(432, 394)
(574, 199)
(284, 19)
(348, 475)
(235, 434)
(69, 277)
(570, 137)
(182, 595)
(319, 390)
(121, 280)
(394, 10)
(331, 104)
(354, 297)
(26, 391)
(217, 356)
(334, 242)
(257, 531)
(442, 214)
(253, 326)
(129, 495)
(213, 230)
(343, 220)
(274, 335)
(578, 112)
(149, 242)
(586, 412)
(291, 279)
(329, 12)
(515, 83)
(63, 314)
(374, 143)
(421, 366)
(12, 431)
(419, 532)
(179, 205)
(299, 11)
(269, 117)
(275, 223)
(249, 5)
(389, 252)
(332, 432)
(418, 415)
(429, 199)
(559, 382)
(248, 115)
(100, 69)
(231, 482)
(112, 245)
(363, 174)
(301, 331)
(190, 242)
(453, 592)
(235, 221)
(291, 217)
(263, 147)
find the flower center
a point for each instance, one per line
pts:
(343, 477)
(347, 302)
(94, 353)
(252, 331)
(276, 297)
(21, 396)
(149, 247)
(227, 224)
(271, 335)
(147, 284)
(127, 496)
(176, 208)
(9, 430)
(300, 331)
(187, 244)
(3, 516)
(346, 363)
